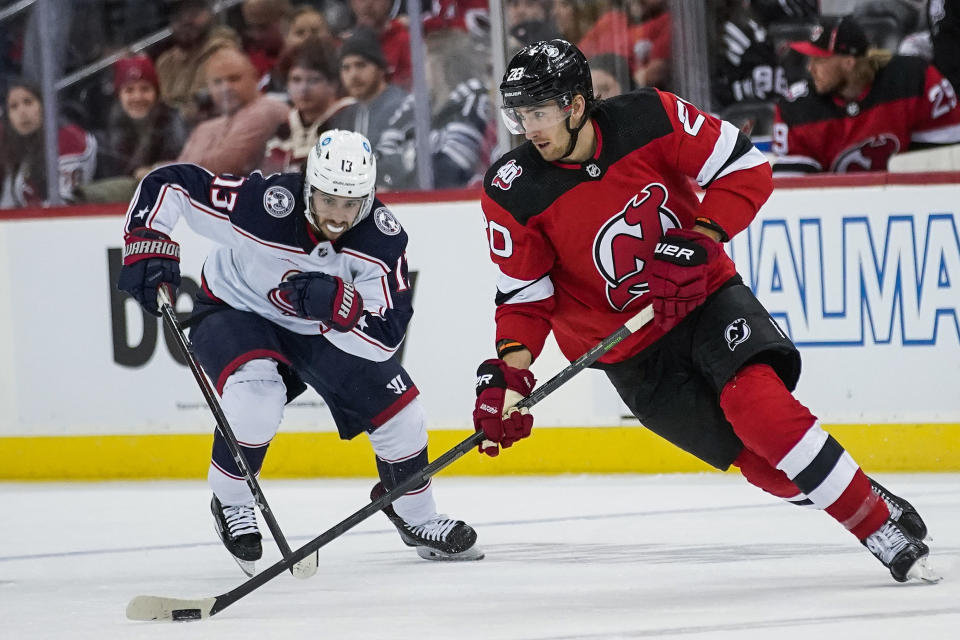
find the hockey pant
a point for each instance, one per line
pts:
(789, 455)
(253, 399)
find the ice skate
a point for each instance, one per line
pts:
(237, 528)
(904, 555)
(440, 538)
(902, 512)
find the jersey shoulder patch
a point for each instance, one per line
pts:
(379, 236)
(522, 183)
(270, 208)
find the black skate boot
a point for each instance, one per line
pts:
(440, 538)
(901, 512)
(903, 554)
(237, 528)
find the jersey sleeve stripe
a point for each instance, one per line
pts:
(752, 158)
(941, 135)
(513, 291)
(725, 150)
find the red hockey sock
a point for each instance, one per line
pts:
(783, 433)
(858, 508)
(766, 416)
(759, 473)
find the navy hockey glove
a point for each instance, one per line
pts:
(150, 259)
(678, 274)
(499, 388)
(320, 296)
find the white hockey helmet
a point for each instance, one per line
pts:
(341, 164)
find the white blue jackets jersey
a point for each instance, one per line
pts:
(263, 237)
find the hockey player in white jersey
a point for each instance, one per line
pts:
(308, 285)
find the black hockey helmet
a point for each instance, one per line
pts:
(546, 70)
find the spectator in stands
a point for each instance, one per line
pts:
(461, 111)
(610, 74)
(265, 25)
(313, 84)
(944, 17)
(528, 21)
(23, 175)
(575, 18)
(746, 67)
(307, 22)
(393, 35)
(639, 30)
(862, 107)
(180, 68)
(141, 132)
(234, 142)
(363, 72)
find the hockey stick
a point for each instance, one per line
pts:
(306, 567)
(160, 608)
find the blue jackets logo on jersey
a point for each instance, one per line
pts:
(386, 221)
(278, 201)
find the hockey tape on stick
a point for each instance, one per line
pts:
(161, 608)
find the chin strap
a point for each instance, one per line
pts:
(574, 133)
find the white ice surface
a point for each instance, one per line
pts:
(594, 557)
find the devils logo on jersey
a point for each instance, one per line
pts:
(623, 245)
(869, 155)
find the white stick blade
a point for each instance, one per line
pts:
(306, 568)
(175, 609)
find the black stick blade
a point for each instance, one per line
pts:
(174, 609)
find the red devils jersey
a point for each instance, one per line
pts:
(573, 241)
(909, 106)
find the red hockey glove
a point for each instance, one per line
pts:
(320, 296)
(678, 274)
(150, 259)
(499, 388)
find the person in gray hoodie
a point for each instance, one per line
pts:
(363, 74)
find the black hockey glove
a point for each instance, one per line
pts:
(320, 296)
(150, 259)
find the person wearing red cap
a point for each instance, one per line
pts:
(860, 107)
(142, 131)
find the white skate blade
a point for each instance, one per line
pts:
(473, 553)
(247, 566)
(306, 568)
(921, 570)
(157, 608)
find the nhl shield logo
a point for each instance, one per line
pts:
(593, 170)
(386, 221)
(737, 332)
(278, 201)
(506, 174)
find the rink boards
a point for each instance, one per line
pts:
(863, 273)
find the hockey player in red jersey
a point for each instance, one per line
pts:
(860, 107)
(594, 217)
(308, 284)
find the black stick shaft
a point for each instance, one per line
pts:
(418, 478)
(186, 347)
